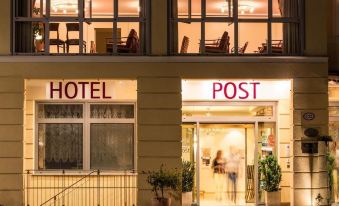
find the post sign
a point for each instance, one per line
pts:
(238, 90)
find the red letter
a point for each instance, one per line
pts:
(55, 90)
(104, 91)
(234, 90)
(255, 89)
(75, 90)
(216, 90)
(83, 84)
(244, 90)
(94, 90)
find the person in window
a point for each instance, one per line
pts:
(232, 169)
(218, 166)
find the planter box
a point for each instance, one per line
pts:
(161, 202)
(187, 198)
(273, 198)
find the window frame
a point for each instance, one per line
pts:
(234, 20)
(86, 122)
(143, 20)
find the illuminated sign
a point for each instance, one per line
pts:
(236, 90)
(233, 90)
(78, 90)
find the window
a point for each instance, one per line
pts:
(85, 136)
(65, 27)
(236, 27)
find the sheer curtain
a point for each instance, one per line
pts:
(291, 31)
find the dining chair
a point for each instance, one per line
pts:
(54, 27)
(71, 28)
(184, 45)
(221, 45)
(131, 45)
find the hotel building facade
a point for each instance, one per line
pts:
(95, 92)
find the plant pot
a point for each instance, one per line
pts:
(39, 46)
(161, 202)
(186, 198)
(272, 198)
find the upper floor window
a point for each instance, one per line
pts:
(237, 27)
(80, 27)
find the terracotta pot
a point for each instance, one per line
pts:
(161, 202)
(273, 198)
(39, 45)
(187, 198)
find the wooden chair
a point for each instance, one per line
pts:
(73, 27)
(54, 27)
(184, 45)
(131, 45)
(221, 45)
(277, 47)
(241, 50)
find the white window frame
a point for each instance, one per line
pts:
(86, 121)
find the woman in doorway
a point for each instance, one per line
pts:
(232, 169)
(218, 167)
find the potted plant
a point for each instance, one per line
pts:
(38, 37)
(187, 183)
(162, 181)
(270, 175)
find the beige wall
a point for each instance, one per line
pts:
(11, 140)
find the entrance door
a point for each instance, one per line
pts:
(226, 169)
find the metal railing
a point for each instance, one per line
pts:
(93, 188)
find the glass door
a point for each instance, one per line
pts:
(226, 169)
(189, 152)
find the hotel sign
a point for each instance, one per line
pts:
(78, 90)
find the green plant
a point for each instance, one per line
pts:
(330, 165)
(270, 173)
(187, 176)
(162, 180)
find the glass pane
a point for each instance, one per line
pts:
(223, 164)
(60, 111)
(252, 38)
(112, 111)
(130, 37)
(129, 8)
(188, 9)
(286, 8)
(188, 37)
(219, 38)
(189, 154)
(112, 146)
(39, 8)
(286, 38)
(60, 146)
(29, 37)
(253, 9)
(99, 35)
(223, 111)
(333, 111)
(64, 8)
(99, 9)
(219, 8)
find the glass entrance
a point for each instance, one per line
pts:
(225, 143)
(227, 164)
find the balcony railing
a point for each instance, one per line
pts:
(68, 188)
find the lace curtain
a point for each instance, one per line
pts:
(60, 146)
(112, 146)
